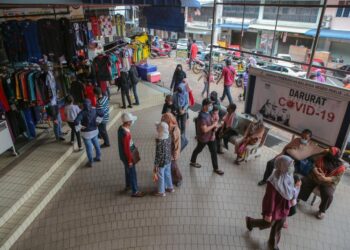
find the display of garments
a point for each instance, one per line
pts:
(114, 65)
(3, 55)
(50, 37)
(102, 68)
(30, 34)
(28, 117)
(14, 41)
(52, 86)
(68, 38)
(95, 26)
(3, 97)
(106, 25)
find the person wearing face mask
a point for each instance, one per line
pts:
(277, 200)
(205, 130)
(178, 77)
(252, 136)
(326, 175)
(126, 147)
(181, 103)
(296, 143)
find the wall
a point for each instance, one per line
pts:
(337, 23)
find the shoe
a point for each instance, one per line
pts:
(97, 159)
(138, 194)
(320, 215)
(123, 107)
(136, 104)
(105, 145)
(130, 107)
(159, 194)
(248, 225)
(219, 172)
(178, 184)
(170, 190)
(226, 145)
(261, 183)
(61, 139)
(195, 165)
(89, 165)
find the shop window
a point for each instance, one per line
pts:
(343, 11)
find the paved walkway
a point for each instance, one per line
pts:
(207, 212)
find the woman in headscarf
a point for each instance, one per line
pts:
(162, 161)
(252, 136)
(181, 103)
(175, 135)
(326, 174)
(277, 200)
(178, 77)
(88, 120)
(319, 77)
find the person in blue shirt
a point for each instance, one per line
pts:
(180, 102)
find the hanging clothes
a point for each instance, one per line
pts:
(102, 68)
(50, 38)
(105, 25)
(14, 41)
(95, 26)
(30, 33)
(3, 56)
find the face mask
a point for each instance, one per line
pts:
(303, 141)
(291, 169)
(210, 108)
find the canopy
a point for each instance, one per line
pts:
(278, 28)
(233, 26)
(335, 34)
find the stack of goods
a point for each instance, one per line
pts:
(144, 69)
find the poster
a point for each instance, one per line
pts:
(297, 104)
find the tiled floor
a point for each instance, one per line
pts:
(207, 212)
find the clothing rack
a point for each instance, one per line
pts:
(116, 47)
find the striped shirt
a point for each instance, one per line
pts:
(103, 105)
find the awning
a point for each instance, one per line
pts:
(278, 28)
(190, 3)
(335, 34)
(233, 26)
(197, 31)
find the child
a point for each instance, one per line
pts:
(89, 93)
(293, 209)
(71, 111)
(206, 80)
(215, 118)
(168, 105)
(162, 162)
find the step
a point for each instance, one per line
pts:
(23, 211)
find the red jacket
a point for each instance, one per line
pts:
(194, 51)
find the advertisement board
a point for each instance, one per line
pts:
(296, 104)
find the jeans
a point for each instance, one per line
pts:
(102, 130)
(57, 126)
(205, 89)
(89, 144)
(212, 149)
(130, 177)
(74, 133)
(181, 120)
(125, 93)
(134, 90)
(164, 178)
(227, 92)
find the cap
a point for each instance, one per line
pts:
(128, 117)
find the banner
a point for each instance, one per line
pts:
(297, 104)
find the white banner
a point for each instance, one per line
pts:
(298, 104)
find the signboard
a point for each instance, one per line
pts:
(296, 104)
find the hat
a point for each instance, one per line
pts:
(163, 130)
(128, 117)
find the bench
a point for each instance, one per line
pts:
(240, 126)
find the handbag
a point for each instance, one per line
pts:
(184, 142)
(135, 155)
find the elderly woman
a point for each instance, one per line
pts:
(175, 135)
(277, 200)
(325, 175)
(252, 136)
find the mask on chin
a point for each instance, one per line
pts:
(303, 141)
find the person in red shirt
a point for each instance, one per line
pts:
(229, 75)
(193, 53)
(89, 93)
(279, 193)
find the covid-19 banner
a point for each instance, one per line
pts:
(296, 104)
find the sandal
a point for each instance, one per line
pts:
(247, 222)
(219, 172)
(138, 194)
(170, 190)
(195, 165)
(159, 194)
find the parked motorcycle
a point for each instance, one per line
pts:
(162, 51)
(197, 66)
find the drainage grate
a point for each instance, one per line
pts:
(272, 141)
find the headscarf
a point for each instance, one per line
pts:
(319, 76)
(182, 96)
(282, 177)
(330, 164)
(162, 130)
(170, 119)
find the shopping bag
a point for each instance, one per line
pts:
(135, 155)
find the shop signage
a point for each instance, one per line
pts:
(296, 104)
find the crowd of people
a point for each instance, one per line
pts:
(287, 179)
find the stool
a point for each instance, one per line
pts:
(316, 192)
